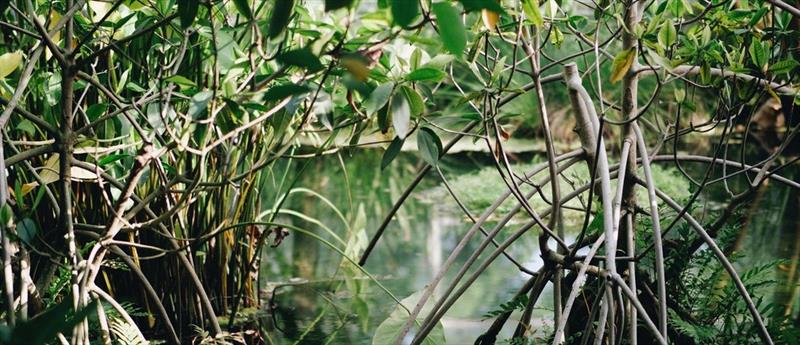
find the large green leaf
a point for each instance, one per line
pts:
(758, 54)
(199, 104)
(426, 74)
(622, 63)
(784, 66)
(388, 331)
(451, 29)
(187, 11)
(401, 115)
(244, 8)
(303, 58)
(391, 152)
(532, 11)
(43, 328)
(667, 36)
(281, 14)
(27, 230)
(414, 100)
(378, 98)
(404, 12)
(429, 145)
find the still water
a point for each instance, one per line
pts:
(315, 298)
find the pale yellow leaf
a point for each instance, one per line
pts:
(81, 174)
(99, 8)
(49, 172)
(9, 62)
(28, 187)
(622, 63)
(356, 67)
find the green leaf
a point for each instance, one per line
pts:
(95, 110)
(199, 104)
(429, 145)
(281, 15)
(680, 94)
(182, 81)
(426, 74)
(26, 126)
(388, 331)
(401, 115)
(43, 328)
(667, 36)
(27, 230)
(451, 29)
(244, 8)
(532, 12)
(477, 5)
(784, 66)
(279, 92)
(556, 37)
(676, 8)
(303, 58)
(187, 11)
(439, 61)
(622, 63)
(404, 12)
(111, 159)
(414, 100)
(758, 54)
(757, 16)
(331, 5)
(391, 152)
(378, 98)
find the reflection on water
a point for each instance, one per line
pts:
(312, 302)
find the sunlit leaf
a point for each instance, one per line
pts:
(9, 62)
(182, 81)
(556, 37)
(426, 74)
(667, 36)
(532, 12)
(451, 29)
(622, 63)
